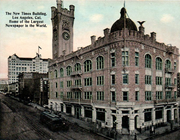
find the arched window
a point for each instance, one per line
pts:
(61, 72)
(56, 73)
(147, 61)
(168, 64)
(158, 63)
(99, 62)
(77, 67)
(87, 66)
(69, 70)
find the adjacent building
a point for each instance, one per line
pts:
(4, 84)
(33, 87)
(18, 65)
(123, 80)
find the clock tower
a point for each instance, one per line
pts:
(62, 24)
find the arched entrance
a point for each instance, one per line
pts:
(125, 122)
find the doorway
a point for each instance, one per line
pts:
(125, 122)
(77, 112)
(169, 116)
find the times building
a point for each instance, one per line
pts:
(124, 80)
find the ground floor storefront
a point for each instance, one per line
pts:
(128, 118)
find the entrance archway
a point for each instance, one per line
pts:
(125, 122)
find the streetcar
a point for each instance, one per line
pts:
(53, 122)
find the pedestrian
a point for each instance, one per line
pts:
(135, 137)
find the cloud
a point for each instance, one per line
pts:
(167, 18)
(96, 18)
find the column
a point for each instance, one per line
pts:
(64, 108)
(108, 118)
(119, 121)
(72, 110)
(94, 114)
(82, 112)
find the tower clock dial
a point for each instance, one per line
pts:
(66, 35)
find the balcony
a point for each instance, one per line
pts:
(170, 86)
(77, 101)
(76, 87)
(78, 73)
(169, 70)
(165, 101)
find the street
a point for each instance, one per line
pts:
(19, 121)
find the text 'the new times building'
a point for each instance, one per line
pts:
(123, 80)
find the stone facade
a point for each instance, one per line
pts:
(123, 80)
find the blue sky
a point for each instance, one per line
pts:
(91, 17)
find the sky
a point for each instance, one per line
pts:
(91, 18)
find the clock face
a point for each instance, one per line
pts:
(66, 36)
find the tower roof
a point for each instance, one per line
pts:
(119, 24)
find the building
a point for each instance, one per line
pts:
(33, 87)
(124, 80)
(14, 89)
(4, 84)
(18, 65)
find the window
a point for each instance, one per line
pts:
(167, 81)
(125, 78)
(137, 95)
(99, 62)
(100, 113)
(88, 112)
(125, 96)
(147, 115)
(125, 58)
(56, 85)
(61, 84)
(69, 95)
(113, 96)
(100, 80)
(88, 95)
(61, 72)
(137, 79)
(113, 60)
(159, 113)
(100, 95)
(158, 63)
(168, 94)
(69, 83)
(136, 59)
(113, 80)
(148, 96)
(87, 66)
(168, 64)
(148, 79)
(159, 95)
(77, 95)
(78, 82)
(175, 81)
(147, 61)
(88, 81)
(77, 67)
(56, 94)
(175, 66)
(175, 94)
(56, 74)
(69, 70)
(61, 95)
(158, 80)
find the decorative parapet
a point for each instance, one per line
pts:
(170, 49)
